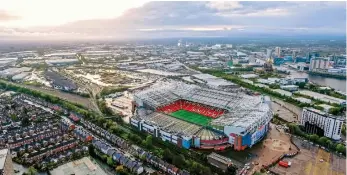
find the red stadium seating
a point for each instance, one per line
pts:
(214, 142)
(192, 107)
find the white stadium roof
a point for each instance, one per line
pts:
(244, 111)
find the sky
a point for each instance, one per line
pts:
(111, 18)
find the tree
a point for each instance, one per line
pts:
(340, 148)
(32, 171)
(120, 169)
(301, 85)
(178, 160)
(329, 143)
(148, 141)
(167, 155)
(343, 130)
(135, 138)
(313, 137)
(25, 122)
(110, 161)
(322, 140)
(104, 157)
(334, 111)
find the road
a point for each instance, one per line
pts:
(92, 88)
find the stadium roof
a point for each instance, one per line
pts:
(244, 111)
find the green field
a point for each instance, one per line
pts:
(191, 117)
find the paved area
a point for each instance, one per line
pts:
(79, 167)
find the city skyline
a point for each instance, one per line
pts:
(108, 19)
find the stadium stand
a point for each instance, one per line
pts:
(200, 117)
(202, 109)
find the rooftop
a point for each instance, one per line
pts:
(322, 97)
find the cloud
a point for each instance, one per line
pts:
(265, 12)
(4, 16)
(216, 18)
(224, 5)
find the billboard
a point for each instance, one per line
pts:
(257, 135)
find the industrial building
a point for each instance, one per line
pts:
(61, 62)
(60, 82)
(321, 123)
(206, 118)
(322, 97)
(213, 82)
(290, 88)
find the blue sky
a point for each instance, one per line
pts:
(188, 18)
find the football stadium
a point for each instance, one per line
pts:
(202, 118)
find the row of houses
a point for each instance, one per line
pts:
(156, 161)
(38, 145)
(135, 150)
(118, 156)
(85, 135)
(28, 135)
(51, 150)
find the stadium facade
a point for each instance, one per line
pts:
(204, 118)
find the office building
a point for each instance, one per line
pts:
(321, 123)
(278, 51)
(6, 165)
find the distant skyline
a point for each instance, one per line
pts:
(135, 18)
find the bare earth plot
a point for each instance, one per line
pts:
(276, 144)
(313, 161)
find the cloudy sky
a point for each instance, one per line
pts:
(110, 18)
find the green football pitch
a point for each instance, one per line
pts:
(191, 117)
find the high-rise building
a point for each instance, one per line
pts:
(319, 63)
(179, 44)
(324, 63)
(278, 51)
(6, 165)
(294, 55)
(268, 53)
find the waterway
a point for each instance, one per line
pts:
(337, 84)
